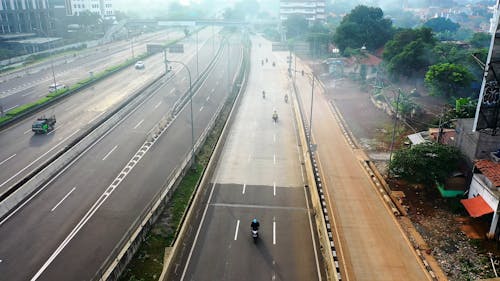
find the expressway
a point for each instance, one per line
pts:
(72, 226)
(22, 151)
(31, 83)
(259, 175)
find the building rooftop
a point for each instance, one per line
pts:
(490, 169)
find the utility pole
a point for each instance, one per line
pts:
(394, 132)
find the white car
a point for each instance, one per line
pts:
(139, 65)
(55, 87)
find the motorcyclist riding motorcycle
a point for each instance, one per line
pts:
(263, 94)
(255, 224)
(275, 116)
(286, 97)
(255, 230)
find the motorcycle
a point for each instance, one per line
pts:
(255, 235)
(262, 62)
(263, 94)
(274, 64)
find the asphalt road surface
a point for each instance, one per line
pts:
(259, 175)
(32, 82)
(72, 226)
(22, 151)
(369, 240)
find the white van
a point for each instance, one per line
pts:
(55, 87)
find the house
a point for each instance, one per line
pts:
(484, 193)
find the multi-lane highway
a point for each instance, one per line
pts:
(259, 175)
(73, 224)
(22, 151)
(31, 83)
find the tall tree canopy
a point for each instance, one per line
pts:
(442, 25)
(448, 79)
(480, 40)
(363, 26)
(408, 52)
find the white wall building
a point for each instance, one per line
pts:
(102, 7)
(312, 10)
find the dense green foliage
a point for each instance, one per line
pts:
(408, 52)
(442, 25)
(363, 26)
(480, 40)
(448, 80)
(425, 163)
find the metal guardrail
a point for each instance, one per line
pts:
(323, 222)
(129, 243)
(21, 190)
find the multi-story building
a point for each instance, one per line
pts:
(312, 10)
(25, 16)
(102, 7)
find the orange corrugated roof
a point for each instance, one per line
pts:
(476, 206)
(490, 169)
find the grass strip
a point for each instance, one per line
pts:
(147, 263)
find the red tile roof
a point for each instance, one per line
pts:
(490, 169)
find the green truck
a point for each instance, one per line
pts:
(43, 125)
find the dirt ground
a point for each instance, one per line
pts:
(455, 240)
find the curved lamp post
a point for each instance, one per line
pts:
(191, 107)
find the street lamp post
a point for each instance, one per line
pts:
(51, 58)
(191, 108)
(197, 71)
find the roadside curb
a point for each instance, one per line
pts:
(383, 189)
(323, 223)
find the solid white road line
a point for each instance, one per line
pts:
(171, 91)
(274, 159)
(201, 108)
(11, 107)
(236, 232)
(274, 138)
(64, 198)
(274, 231)
(7, 159)
(41, 156)
(53, 131)
(98, 115)
(274, 188)
(198, 232)
(111, 151)
(208, 98)
(138, 124)
(244, 187)
(27, 131)
(157, 105)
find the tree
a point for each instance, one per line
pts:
(319, 37)
(448, 79)
(296, 25)
(363, 26)
(407, 52)
(480, 40)
(426, 162)
(441, 25)
(411, 59)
